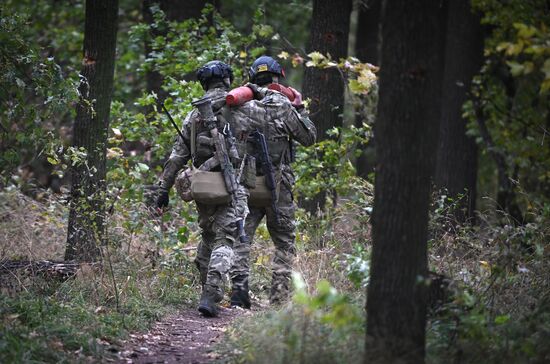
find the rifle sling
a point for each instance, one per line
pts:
(193, 141)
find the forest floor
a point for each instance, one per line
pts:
(182, 337)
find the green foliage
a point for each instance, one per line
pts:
(530, 52)
(33, 93)
(510, 94)
(324, 327)
(329, 164)
(190, 44)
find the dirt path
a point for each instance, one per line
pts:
(185, 337)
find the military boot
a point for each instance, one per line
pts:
(208, 302)
(239, 292)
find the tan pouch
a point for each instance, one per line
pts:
(209, 188)
(260, 196)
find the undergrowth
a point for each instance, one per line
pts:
(499, 306)
(47, 318)
(494, 304)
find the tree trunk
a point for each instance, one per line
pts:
(406, 131)
(175, 11)
(368, 32)
(325, 87)
(456, 169)
(367, 50)
(86, 230)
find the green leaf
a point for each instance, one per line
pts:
(502, 319)
(142, 167)
(53, 161)
(515, 68)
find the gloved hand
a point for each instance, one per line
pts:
(162, 198)
(297, 103)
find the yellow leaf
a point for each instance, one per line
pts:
(117, 133)
(242, 54)
(503, 46)
(316, 58)
(525, 31)
(113, 153)
(514, 49)
(283, 55)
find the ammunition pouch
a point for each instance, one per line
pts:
(202, 186)
(248, 177)
(260, 195)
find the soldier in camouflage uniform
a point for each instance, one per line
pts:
(217, 222)
(283, 122)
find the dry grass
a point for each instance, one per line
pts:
(30, 229)
(510, 272)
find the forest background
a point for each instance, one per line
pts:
(485, 176)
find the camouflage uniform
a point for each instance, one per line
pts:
(217, 222)
(281, 123)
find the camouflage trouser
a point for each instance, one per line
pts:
(215, 251)
(283, 236)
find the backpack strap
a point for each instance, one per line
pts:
(193, 139)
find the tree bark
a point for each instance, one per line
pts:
(86, 230)
(406, 131)
(456, 169)
(330, 24)
(367, 50)
(325, 87)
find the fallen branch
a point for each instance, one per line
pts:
(62, 270)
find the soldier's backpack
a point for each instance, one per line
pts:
(204, 187)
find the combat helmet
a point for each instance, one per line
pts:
(215, 71)
(263, 69)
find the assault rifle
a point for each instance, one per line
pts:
(267, 169)
(204, 106)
